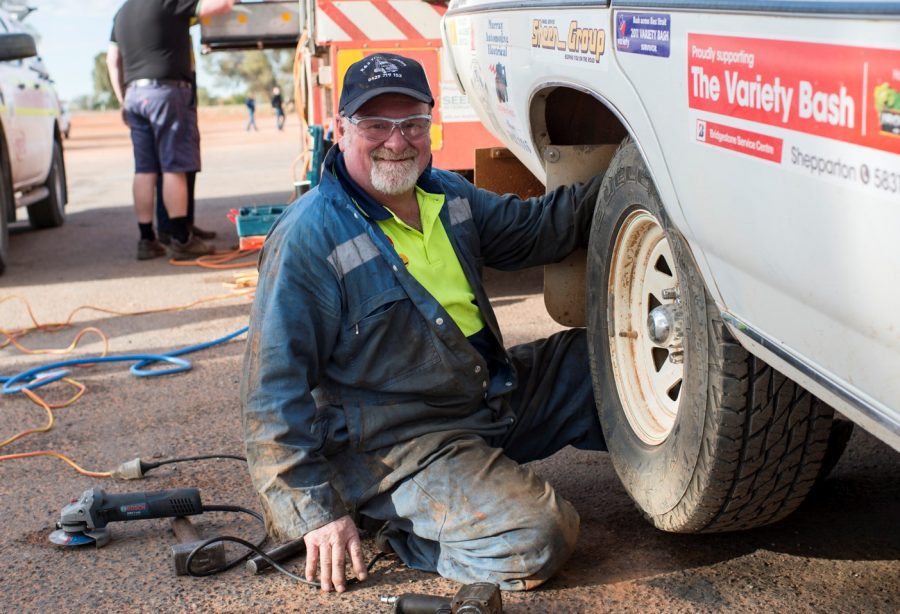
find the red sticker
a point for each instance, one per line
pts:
(739, 140)
(832, 91)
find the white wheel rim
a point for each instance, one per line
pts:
(647, 381)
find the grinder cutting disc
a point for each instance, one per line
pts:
(63, 538)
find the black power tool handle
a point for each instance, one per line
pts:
(414, 603)
(143, 505)
(256, 564)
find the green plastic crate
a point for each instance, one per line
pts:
(254, 221)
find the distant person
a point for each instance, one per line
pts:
(149, 63)
(277, 104)
(251, 112)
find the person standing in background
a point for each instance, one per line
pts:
(149, 63)
(277, 104)
(251, 112)
(163, 231)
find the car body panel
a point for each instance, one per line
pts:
(28, 113)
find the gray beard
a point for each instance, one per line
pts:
(392, 178)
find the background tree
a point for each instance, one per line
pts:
(104, 96)
(255, 71)
(204, 98)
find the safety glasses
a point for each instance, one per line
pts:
(379, 129)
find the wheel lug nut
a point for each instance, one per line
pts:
(676, 358)
(670, 294)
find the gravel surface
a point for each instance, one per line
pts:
(839, 553)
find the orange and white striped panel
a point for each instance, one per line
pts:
(377, 20)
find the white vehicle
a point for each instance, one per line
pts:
(746, 228)
(32, 169)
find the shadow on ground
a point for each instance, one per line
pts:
(102, 243)
(851, 516)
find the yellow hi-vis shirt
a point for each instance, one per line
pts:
(430, 258)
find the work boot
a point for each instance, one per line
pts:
(193, 248)
(148, 248)
(382, 537)
(206, 235)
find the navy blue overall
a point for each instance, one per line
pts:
(361, 396)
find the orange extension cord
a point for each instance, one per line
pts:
(242, 286)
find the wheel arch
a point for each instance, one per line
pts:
(58, 140)
(568, 115)
(563, 114)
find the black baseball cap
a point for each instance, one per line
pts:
(382, 73)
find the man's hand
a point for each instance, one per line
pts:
(330, 545)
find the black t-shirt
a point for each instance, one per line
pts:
(153, 38)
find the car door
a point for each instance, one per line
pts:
(11, 74)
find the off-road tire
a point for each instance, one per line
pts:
(746, 443)
(50, 212)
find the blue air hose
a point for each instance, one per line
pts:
(56, 371)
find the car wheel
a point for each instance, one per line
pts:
(704, 436)
(50, 212)
(6, 206)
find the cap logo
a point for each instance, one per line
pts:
(382, 68)
(379, 73)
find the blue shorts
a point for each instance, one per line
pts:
(164, 129)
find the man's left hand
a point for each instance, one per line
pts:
(329, 545)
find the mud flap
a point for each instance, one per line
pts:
(565, 281)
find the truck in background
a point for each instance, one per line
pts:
(328, 36)
(741, 281)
